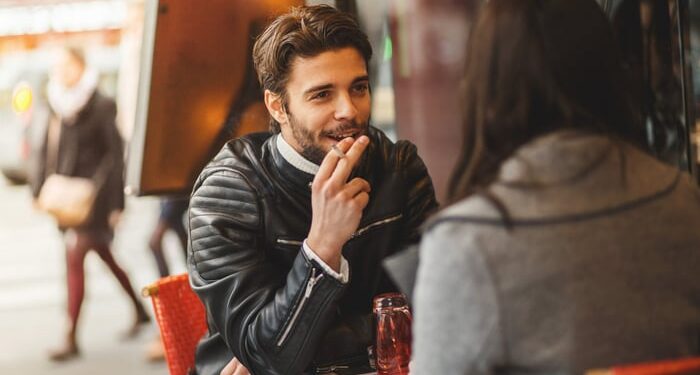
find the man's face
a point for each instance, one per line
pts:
(327, 100)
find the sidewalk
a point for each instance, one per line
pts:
(32, 292)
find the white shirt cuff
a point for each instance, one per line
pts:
(343, 276)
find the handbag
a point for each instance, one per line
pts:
(68, 199)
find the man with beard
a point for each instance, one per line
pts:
(288, 230)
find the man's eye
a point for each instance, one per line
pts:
(320, 95)
(361, 88)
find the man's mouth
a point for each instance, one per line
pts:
(340, 136)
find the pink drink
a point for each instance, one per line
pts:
(393, 346)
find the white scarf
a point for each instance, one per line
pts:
(68, 101)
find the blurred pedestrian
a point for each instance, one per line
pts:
(85, 143)
(172, 211)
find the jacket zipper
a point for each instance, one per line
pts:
(330, 369)
(307, 293)
(314, 279)
(357, 233)
(289, 242)
(367, 227)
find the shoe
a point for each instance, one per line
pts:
(67, 353)
(155, 352)
(141, 319)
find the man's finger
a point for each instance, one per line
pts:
(230, 367)
(331, 160)
(362, 199)
(357, 185)
(345, 165)
(241, 370)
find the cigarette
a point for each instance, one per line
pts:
(338, 152)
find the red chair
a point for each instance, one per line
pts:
(681, 366)
(181, 319)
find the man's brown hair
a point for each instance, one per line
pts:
(305, 32)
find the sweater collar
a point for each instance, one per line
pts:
(294, 158)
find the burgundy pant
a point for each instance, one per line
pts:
(78, 244)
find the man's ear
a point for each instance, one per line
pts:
(274, 105)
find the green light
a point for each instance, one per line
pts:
(388, 50)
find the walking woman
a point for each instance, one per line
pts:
(83, 141)
(567, 247)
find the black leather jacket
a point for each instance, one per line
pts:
(267, 303)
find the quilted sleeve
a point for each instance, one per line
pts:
(271, 318)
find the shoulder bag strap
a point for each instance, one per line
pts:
(52, 139)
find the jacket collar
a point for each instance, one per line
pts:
(294, 178)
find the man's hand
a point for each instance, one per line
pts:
(336, 203)
(234, 368)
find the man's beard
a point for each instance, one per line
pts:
(310, 149)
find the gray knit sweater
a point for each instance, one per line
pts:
(600, 267)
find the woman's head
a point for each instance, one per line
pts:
(69, 66)
(534, 67)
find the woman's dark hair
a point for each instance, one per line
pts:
(306, 32)
(533, 67)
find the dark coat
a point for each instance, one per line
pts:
(91, 147)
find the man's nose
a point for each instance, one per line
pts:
(345, 108)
